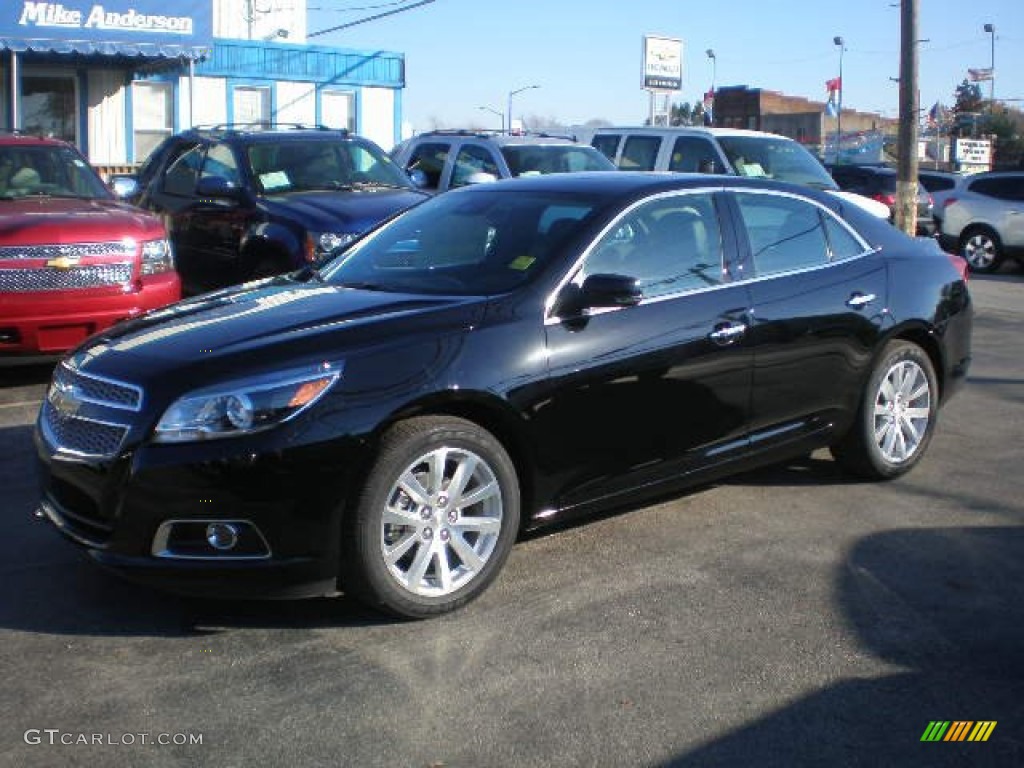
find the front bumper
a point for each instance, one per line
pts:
(46, 323)
(120, 512)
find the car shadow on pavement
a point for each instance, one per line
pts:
(47, 585)
(943, 606)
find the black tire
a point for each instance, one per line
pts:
(982, 249)
(267, 266)
(442, 553)
(893, 428)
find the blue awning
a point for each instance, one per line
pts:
(139, 50)
(109, 48)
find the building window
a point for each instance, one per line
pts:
(337, 109)
(251, 106)
(152, 116)
(49, 106)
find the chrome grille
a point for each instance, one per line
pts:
(86, 437)
(95, 389)
(117, 249)
(50, 279)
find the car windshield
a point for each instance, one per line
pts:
(537, 159)
(779, 159)
(477, 242)
(50, 171)
(301, 165)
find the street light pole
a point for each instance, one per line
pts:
(714, 69)
(991, 29)
(837, 40)
(499, 114)
(510, 95)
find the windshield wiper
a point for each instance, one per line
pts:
(361, 285)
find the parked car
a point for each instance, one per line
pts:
(243, 203)
(940, 184)
(443, 160)
(879, 183)
(753, 154)
(498, 358)
(982, 219)
(73, 260)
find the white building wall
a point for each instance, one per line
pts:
(296, 103)
(377, 116)
(236, 19)
(210, 105)
(108, 141)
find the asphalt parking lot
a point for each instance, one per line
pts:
(786, 617)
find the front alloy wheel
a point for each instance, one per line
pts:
(435, 521)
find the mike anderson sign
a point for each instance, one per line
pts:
(138, 21)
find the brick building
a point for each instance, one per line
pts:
(804, 120)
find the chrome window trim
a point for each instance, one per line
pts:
(574, 269)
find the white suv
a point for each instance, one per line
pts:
(983, 219)
(722, 150)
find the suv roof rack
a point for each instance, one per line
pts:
(257, 127)
(484, 133)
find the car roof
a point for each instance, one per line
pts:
(252, 133)
(500, 139)
(695, 130)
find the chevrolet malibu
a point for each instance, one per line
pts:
(493, 360)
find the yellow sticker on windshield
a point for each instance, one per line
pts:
(522, 263)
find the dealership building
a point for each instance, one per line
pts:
(116, 77)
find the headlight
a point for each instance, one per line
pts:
(156, 257)
(243, 407)
(322, 244)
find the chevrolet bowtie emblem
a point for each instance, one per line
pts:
(63, 262)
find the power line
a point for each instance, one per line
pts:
(347, 8)
(370, 18)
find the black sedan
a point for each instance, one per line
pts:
(495, 359)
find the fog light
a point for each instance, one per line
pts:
(222, 536)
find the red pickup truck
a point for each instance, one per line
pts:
(73, 260)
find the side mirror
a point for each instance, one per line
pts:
(124, 187)
(597, 292)
(218, 188)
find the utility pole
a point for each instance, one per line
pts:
(906, 168)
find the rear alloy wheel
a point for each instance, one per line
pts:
(436, 520)
(897, 415)
(981, 249)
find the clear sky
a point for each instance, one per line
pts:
(586, 54)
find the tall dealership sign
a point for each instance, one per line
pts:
(663, 73)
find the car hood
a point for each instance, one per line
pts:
(343, 211)
(49, 220)
(260, 326)
(881, 210)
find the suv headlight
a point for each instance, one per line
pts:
(245, 406)
(156, 257)
(322, 244)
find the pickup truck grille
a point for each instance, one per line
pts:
(15, 278)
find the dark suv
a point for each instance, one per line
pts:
(879, 183)
(243, 203)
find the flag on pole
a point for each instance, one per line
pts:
(833, 87)
(980, 74)
(709, 105)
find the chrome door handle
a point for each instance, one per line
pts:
(728, 333)
(859, 300)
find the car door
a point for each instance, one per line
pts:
(817, 306)
(638, 394)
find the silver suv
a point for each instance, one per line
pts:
(441, 160)
(983, 219)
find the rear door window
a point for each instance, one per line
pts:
(785, 234)
(640, 153)
(606, 144)
(692, 154)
